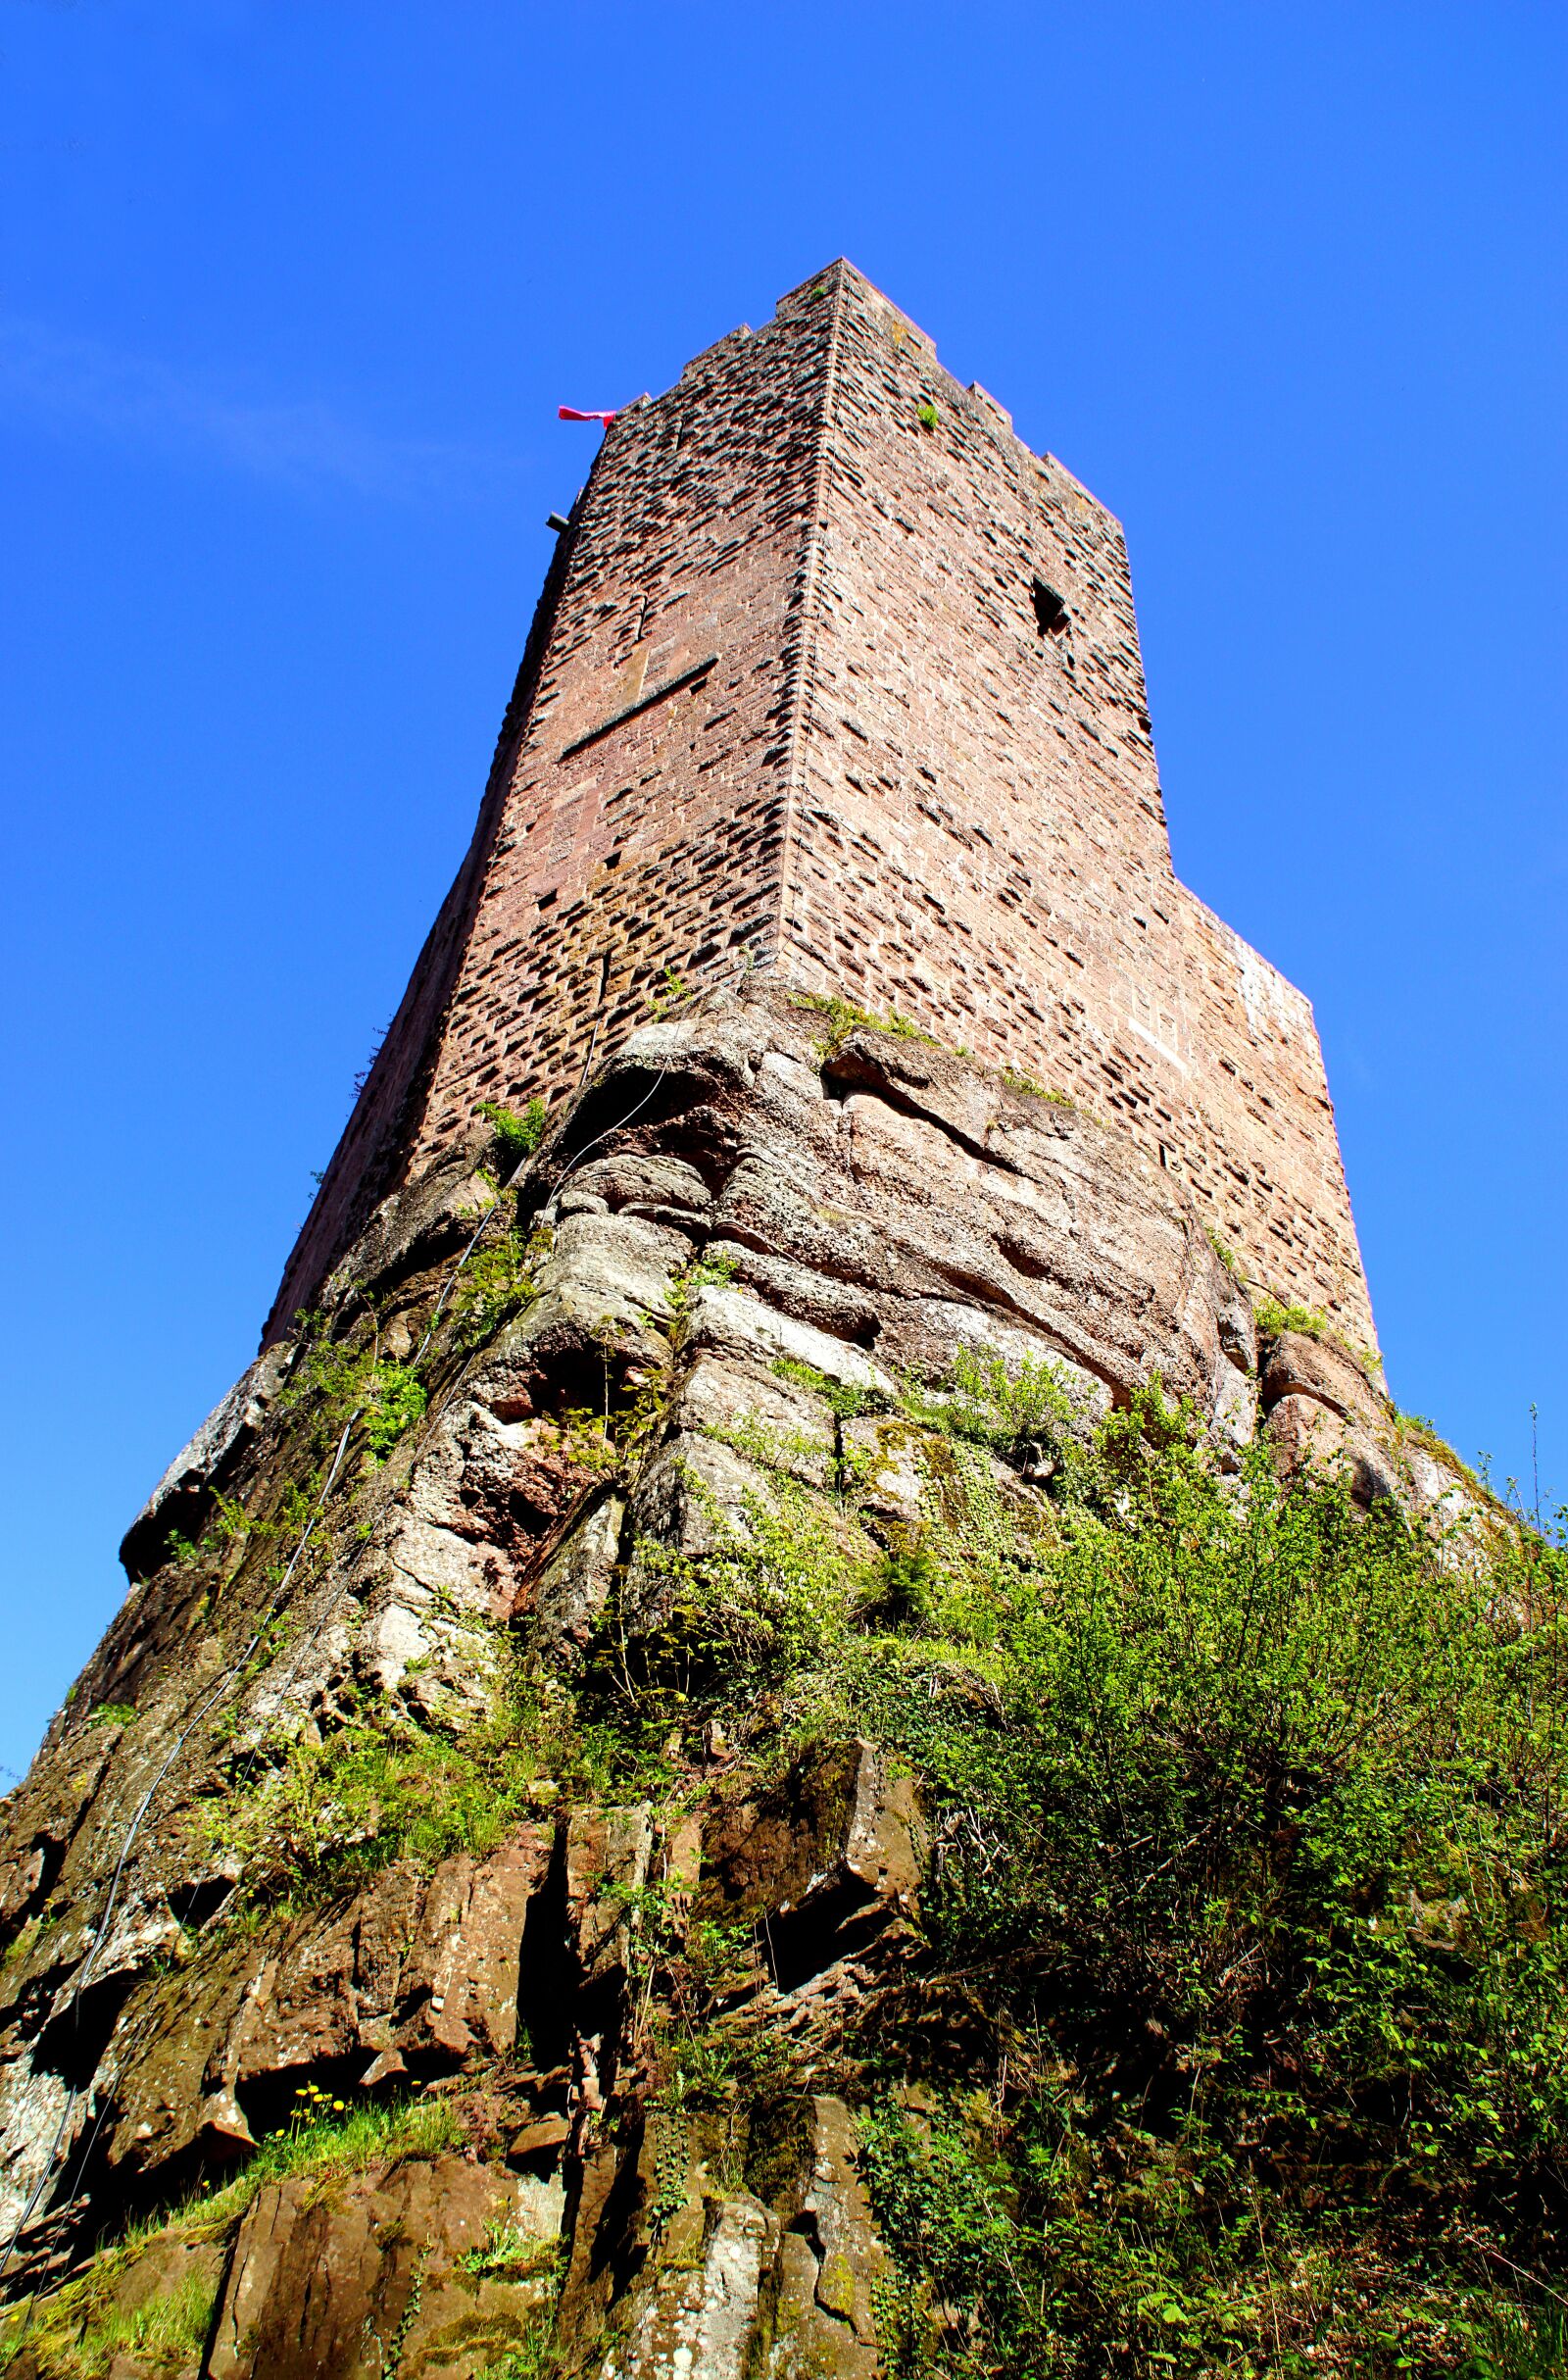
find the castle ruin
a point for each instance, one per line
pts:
(833, 676)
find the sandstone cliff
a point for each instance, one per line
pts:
(471, 1917)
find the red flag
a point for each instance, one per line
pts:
(570, 413)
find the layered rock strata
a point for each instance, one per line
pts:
(721, 1296)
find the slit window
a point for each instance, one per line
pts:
(1052, 616)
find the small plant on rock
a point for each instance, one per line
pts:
(517, 1135)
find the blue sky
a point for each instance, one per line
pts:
(288, 297)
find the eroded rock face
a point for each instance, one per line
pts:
(770, 1232)
(384, 2272)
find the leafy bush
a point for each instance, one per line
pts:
(516, 1137)
(397, 1401)
(112, 1714)
(1272, 1317)
(1009, 1410)
(332, 1379)
(496, 1282)
(1241, 2027)
(1253, 1862)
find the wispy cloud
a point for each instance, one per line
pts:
(75, 385)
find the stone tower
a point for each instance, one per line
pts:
(469, 1913)
(832, 676)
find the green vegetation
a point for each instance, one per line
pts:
(709, 1271)
(1414, 1429)
(1232, 1263)
(330, 1381)
(1013, 1078)
(1234, 2038)
(989, 1403)
(166, 2333)
(397, 1401)
(669, 991)
(112, 1714)
(846, 1016)
(839, 1396)
(928, 416)
(327, 2139)
(78, 2331)
(1272, 1317)
(510, 2254)
(384, 1788)
(499, 1280)
(1241, 2027)
(516, 1136)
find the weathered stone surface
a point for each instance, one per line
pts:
(416, 1971)
(886, 1459)
(818, 2302)
(764, 1418)
(1299, 1364)
(836, 1847)
(729, 1324)
(366, 2277)
(571, 1591)
(881, 1206)
(695, 2316)
(183, 1496)
(1300, 1431)
(607, 1865)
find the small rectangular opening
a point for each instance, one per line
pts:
(1052, 616)
(546, 899)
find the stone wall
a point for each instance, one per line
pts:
(837, 676)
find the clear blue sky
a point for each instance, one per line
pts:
(289, 297)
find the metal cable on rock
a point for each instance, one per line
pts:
(232, 1673)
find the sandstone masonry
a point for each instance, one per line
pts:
(833, 676)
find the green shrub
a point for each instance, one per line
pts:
(1272, 1317)
(516, 1136)
(1252, 1860)
(1241, 2024)
(397, 1400)
(499, 1280)
(991, 1405)
(381, 1788)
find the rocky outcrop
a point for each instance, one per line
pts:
(728, 1297)
(421, 2268)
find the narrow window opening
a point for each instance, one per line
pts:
(546, 899)
(1052, 616)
